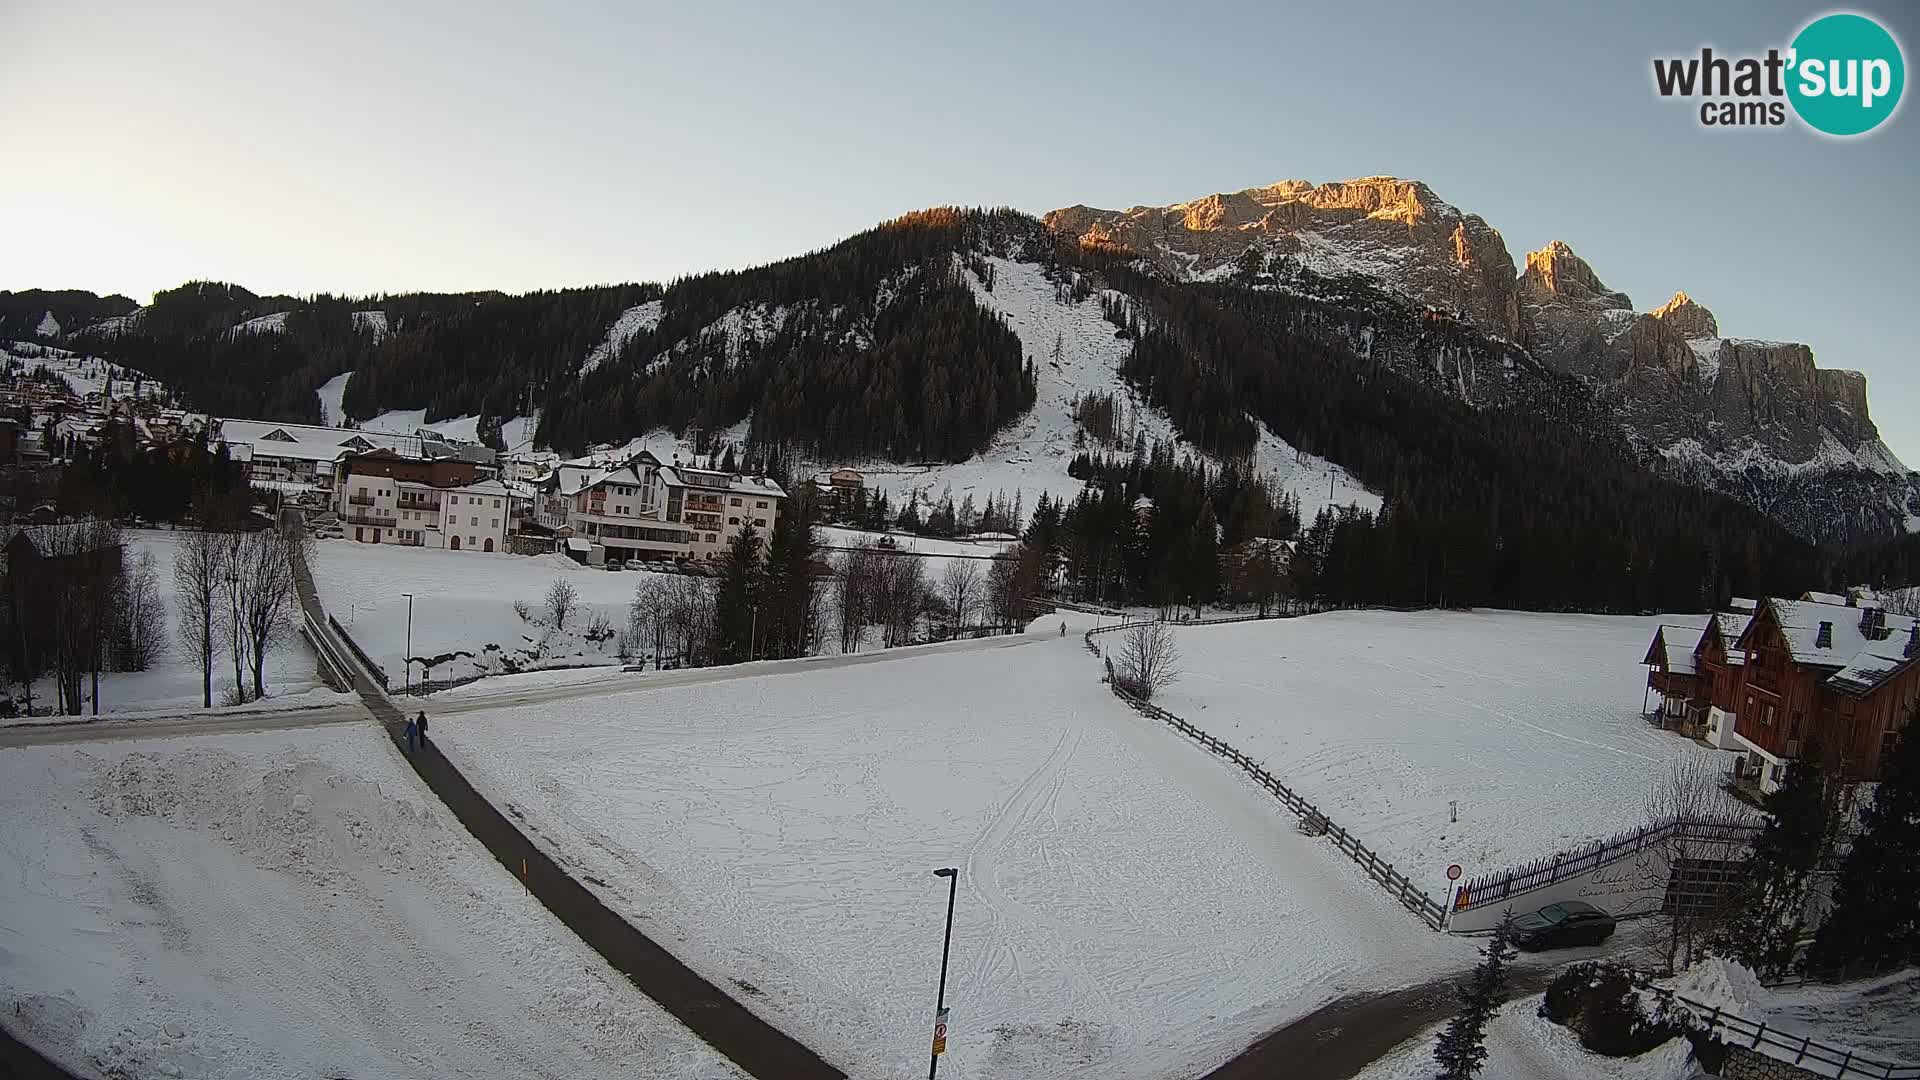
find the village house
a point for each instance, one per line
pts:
(1672, 672)
(1844, 675)
(384, 497)
(641, 509)
(300, 458)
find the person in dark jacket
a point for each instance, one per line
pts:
(421, 723)
(412, 732)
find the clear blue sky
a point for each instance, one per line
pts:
(364, 147)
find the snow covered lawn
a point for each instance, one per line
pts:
(1127, 907)
(294, 905)
(463, 607)
(173, 683)
(1530, 722)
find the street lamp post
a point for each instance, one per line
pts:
(940, 1005)
(409, 656)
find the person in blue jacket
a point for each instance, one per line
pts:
(413, 734)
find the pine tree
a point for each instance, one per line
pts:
(1462, 1048)
(1875, 918)
(790, 586)
(735, 615)
(1203, 559)
(1764, 932)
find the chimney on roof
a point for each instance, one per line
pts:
(1873, 624)
(1853, 600)
(1913, 639)
(1824, 639)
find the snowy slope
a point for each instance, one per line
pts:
(1032, 454)
(264, 324)
(85, 374)
(373, 321)
(1531, 723)
(638, 319)
(331, 391)
(1522, 1045)
(290, 905)
(49, 326)
(1127, 910)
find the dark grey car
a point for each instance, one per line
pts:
(1556, 926)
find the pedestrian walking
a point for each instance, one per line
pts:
(421, 723)
(412, 732)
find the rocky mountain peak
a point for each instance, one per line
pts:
(1393, 230)
(1555, 273)
(1687, 318)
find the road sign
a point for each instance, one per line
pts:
(940, 1033)
(1453, 872)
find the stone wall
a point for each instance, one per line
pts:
(1745, 1064)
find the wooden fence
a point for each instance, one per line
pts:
(1798, 1050)
(366, 661)
(1429, 910)
(1496, 888)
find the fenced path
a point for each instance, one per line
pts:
(1490, 890)
(1312, 820)
(1799, 1050)
(753, 1044)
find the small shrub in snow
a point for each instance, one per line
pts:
(521, 608)
(1600, 1002)
(599, 628)
(1148, 660)
(562, 598)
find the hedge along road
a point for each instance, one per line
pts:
(726, 1025)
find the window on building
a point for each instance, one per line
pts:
(712, 539)
(472, 540)
(473, 521)
(496, 504)
(760, 505)
(454, 499)
(736, 502)
(1766, 718)
(496, 523)
(733, 521)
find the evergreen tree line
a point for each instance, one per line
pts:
(120, 478)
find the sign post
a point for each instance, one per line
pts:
(952, 874)
(1453, 889)
(940, 1033)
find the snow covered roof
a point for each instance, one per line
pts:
(1672, 648)
(1824, 598)
(1732, 624)
(708, 479)
(309, 442)
(1741, 603)
(579, 543)
(1802, 622)
(481, 487)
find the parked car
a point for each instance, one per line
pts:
(1556, 926)
(616, 564)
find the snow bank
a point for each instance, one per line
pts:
(641, 318)
(1531, 723)
(331, 392)
(290, 905)
(1521, 1045)
(1127, 908)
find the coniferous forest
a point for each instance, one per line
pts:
(1521, 494)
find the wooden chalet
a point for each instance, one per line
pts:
(1721, 675)
(1845, 675)
(1672, 673)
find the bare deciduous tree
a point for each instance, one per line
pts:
(199, 565)
(1148, 661)
(960, 587)
(143, 616)
(855, 583)
(562, 598)
(262, 572)
(1690, 792)
(900, 598)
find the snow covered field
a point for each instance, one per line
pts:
(1530, 722)
(290, 905)
(173, 683)
(85, 375)
(463, 607)
(1127, 908)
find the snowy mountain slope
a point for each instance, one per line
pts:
(330, 392)
(1032, 454)
(49, 326)
(374, 321)
(85, 374)
(265, 324)
(639, 319)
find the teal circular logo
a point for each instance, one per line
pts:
(1846, 75)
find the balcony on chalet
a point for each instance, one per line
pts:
(360, 499)
(1761, 678)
